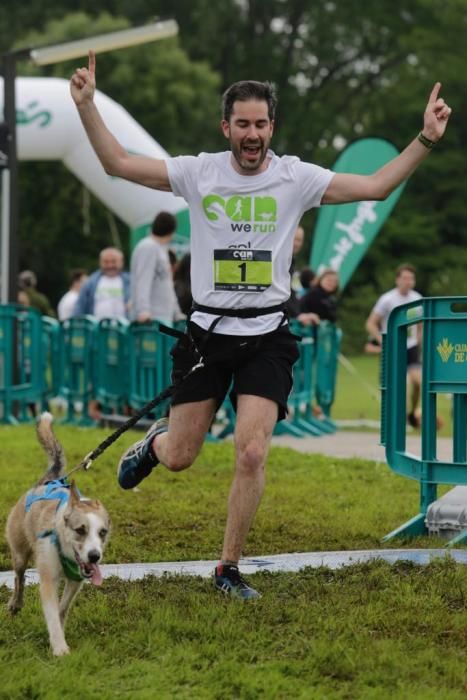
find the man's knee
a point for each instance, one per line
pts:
(251, 456)
(177, 458)
(415, 375)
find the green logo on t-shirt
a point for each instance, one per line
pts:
(262, 211)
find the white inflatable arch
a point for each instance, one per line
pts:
(49, 128)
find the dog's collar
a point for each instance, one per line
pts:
(70, 567)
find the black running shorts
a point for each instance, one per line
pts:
(413, 356)
(258, 365)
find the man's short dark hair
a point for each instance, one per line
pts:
(405, 267)
(76, 274)
(246, 90)
(306, 277)
(164, 224)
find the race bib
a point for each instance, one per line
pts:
(240, 269)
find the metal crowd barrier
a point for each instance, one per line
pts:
(78, 350)
(21, 361)
(444, 371)
(124, 365)
(314, 380)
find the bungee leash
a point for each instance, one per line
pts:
(202, 361)
(165, 394)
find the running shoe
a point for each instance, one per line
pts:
(227, 578)
(139, 459)
(413, 420)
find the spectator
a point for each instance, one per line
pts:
(28, 292)
(298, 240)
(307, 277)
(172, 260)
(321, 297)
(67, 302)
(23, 298)
(293, 304)
(105, 294)
(182, 284)
(376, 325)
(152, 292)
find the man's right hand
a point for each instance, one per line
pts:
(116, 161)
(309, 319)
(83, 81)
(144, 317)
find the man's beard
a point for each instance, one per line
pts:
(245, 163)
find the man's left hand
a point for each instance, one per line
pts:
(436, 115)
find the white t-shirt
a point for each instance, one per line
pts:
(109, 299)
(389, 301)
(66, 305)
(242, 231)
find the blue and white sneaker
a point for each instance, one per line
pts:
(139, 459)
(228, 580)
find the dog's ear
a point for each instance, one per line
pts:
(74, 494)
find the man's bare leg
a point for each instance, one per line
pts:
(176, 445)
(178, 448)
(414, 380)
(256, 418)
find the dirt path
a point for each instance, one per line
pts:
(346, 443)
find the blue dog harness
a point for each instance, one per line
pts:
(56, 490)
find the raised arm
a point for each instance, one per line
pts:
(115, 160)
(353, 188)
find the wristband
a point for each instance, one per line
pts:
(426, 142)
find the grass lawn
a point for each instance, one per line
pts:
(366, 631)
(357, 393)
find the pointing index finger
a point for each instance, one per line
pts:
(92, 63)
(434, 93)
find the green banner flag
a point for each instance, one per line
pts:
(344, 232)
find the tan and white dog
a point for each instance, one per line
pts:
(66, 533)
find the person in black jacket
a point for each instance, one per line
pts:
(322, 297)
(293, 305)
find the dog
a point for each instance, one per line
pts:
(66, 533)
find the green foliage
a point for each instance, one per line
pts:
(341, 68)
(162, 86)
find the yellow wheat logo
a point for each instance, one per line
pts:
(445, 349)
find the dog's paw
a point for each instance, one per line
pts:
(61, 649)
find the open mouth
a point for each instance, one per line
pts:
(251, 151)
(89, 571)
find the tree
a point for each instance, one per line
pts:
(343, 69)
(174, 98)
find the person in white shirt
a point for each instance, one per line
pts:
(377, 323)
(152, 292)
(67, 303)
(106, 293)
(245, 205)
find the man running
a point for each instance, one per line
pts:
(377, 323)
(245, 205)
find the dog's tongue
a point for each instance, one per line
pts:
(96, 577)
